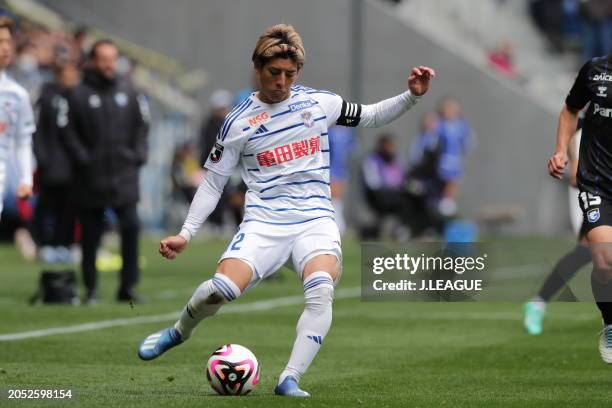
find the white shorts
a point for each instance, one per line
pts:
(267, 247)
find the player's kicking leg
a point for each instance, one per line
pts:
(231, 279)
(314, 323)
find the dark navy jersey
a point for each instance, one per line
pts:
(594, 85)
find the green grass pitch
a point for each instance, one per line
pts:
(377, 354)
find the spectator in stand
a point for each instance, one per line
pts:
(423, 183)
(456, 139)
(548, 17)
(502, 59)
(341, 145)
(55, 212)
(187, 173)
(383, 179)
(244, 93)
(597, 17)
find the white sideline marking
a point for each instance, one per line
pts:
(105, 324)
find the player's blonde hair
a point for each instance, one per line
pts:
(279, 41)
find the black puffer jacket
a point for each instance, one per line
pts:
(52, 159)
(105, 126)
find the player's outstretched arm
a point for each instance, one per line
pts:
(203, 204)
(386, 111)
(568, 121)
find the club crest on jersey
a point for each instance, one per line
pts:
(602, 91)
(308, 119)
(593, 215)
(216, 153)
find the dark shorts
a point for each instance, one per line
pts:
(596, 211)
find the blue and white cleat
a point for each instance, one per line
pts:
(158, 343)
(605, 344)
(534, 312)
(289, 388)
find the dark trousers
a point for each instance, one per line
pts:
(55, 215)
(92, 224)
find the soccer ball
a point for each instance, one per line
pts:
(232, 370)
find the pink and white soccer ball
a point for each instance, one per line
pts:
(232, 370)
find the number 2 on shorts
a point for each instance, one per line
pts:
(239, 239)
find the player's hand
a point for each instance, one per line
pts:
(24, 191)
(418, 81)
(556, 165)
(170, 247)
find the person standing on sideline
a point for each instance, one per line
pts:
(105, 127)
(54, 215)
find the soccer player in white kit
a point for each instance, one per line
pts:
(16, 119)
(278, 137)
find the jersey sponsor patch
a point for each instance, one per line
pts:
(261, 118)
(604, 76)
(216, 153)
(289, 152)
(298, 106)
(602, 111)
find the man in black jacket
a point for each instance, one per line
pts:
(105, 126)
(54, 217)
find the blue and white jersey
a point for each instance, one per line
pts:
(16, 116)
(16, 124)
(282, 151)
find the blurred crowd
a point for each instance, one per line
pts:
(583, 25)
(421, 194)
(90, 143)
